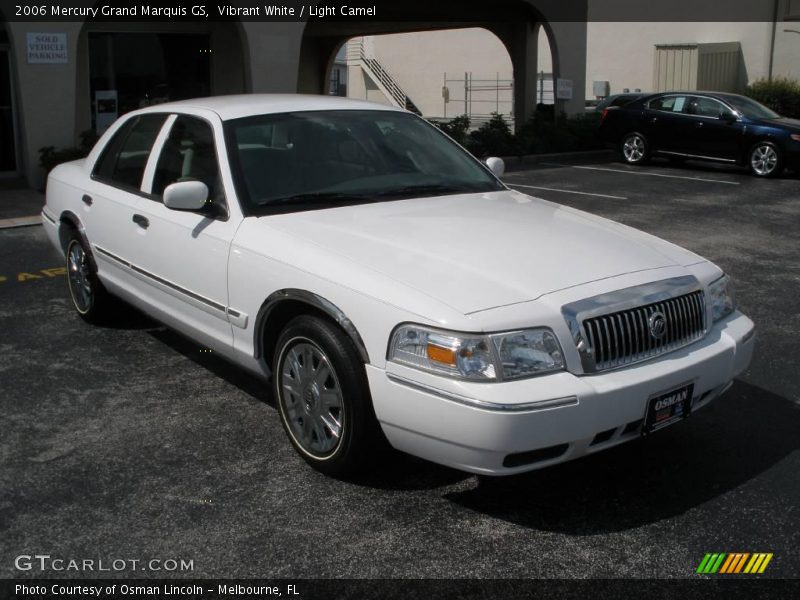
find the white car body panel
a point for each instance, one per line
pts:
(484, 262)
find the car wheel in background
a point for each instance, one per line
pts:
(89, 297)
(323, 397)
(635, 149)
(765, 160)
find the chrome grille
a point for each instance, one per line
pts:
(624, 337)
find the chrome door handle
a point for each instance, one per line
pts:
(699, 125)
(141, 221)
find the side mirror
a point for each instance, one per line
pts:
(186, 195)
(727, 117)
(496, 165)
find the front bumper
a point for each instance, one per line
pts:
(512, 427)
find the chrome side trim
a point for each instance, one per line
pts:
(482, 404)
(47, 216)
(715, 158)
(233, 316)
(576, 313)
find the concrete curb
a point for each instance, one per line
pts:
(534, 159)
(20, 222)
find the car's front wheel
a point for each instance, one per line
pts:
(635, 149)
(89, 297)
(765, 160)
(323, 397)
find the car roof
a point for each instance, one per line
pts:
(246, 105)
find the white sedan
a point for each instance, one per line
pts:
(389, 286)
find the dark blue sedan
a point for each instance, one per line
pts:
(704, 125)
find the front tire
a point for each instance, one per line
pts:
(89, 298)
(765, 160)
(323, 397)
(635, 149)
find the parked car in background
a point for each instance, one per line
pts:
(389, 284)
(713, 126)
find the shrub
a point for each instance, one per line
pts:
(493, 138)
(456, 128)
(49, 157)
(781, 95)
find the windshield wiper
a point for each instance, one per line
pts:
(433, 188)
(315, 198)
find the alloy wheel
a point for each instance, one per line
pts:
(633, 148)
(311, 398)
(79, 274)
(764, 159)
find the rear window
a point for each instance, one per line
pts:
(124, 158)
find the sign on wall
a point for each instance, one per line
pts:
(47, 48)
(564, 89)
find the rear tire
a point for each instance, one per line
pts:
(323, 397)
(89, 298)
(635, 149)
(765, 160)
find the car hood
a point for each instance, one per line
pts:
(479, 251)
(784, 122)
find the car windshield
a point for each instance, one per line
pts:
(750, 108)
(318, 159)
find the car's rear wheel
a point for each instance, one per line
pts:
(765, 160)
(89, 297)
(635, 149)
(323, 397)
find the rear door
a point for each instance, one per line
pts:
(667, 123)
(109, 201)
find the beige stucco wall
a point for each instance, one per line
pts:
(623, 53)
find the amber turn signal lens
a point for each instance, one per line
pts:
(446, 356)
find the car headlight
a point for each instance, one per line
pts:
(495, 357)
(722, 299)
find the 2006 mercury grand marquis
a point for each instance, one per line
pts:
(390, 285)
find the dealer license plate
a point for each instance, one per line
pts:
(668, 408)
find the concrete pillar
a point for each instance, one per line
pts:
(568, 43)
(522, 43)
(46, 96)
(274, 59)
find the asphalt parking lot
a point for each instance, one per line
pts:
(130, 442)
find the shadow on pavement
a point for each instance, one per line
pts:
(723, 446)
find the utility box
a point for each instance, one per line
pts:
(713, 67)
(601, 89)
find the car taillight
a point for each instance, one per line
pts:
(603, 115)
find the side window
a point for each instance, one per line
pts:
(708, 107)
(673, 104)
(189, 155)
(123, 160)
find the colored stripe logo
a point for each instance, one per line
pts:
(734, 563)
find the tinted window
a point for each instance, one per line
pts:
(751, 109)
(708, 107)
(189, 155)
(123, 160)
(668, 103)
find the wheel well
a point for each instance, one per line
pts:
(276, 319)
(69, 223)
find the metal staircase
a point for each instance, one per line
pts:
(378, 73)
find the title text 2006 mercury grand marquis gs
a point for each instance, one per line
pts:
(390, 286)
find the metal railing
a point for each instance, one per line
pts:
(355, 52)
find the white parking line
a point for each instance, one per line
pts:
(536, 187)
(643, 173)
